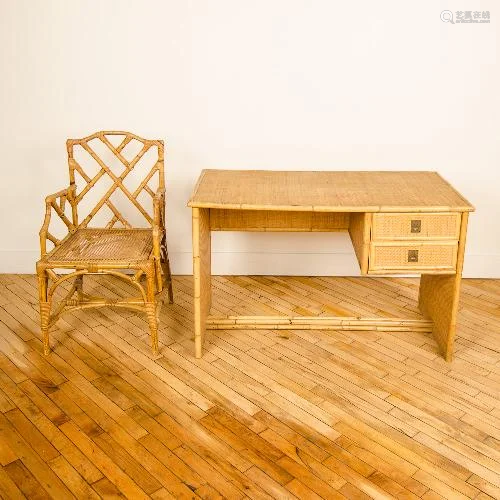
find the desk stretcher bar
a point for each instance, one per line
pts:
(316, 323)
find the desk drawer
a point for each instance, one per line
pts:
(402, 226)
(413, 256)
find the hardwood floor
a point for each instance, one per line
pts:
(306, 414)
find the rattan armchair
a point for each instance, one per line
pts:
(136, 255)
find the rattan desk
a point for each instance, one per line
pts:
(399, 223)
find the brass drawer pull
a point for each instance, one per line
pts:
(416, 226)
(412, 255)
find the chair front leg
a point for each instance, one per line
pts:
(44, 308)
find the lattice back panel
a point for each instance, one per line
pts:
(116, 176)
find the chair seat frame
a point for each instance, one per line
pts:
(151, 276)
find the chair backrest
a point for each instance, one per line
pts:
(124, 169)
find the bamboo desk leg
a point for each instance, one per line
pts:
(439, 296)
(201, 274)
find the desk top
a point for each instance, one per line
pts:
(327, 191)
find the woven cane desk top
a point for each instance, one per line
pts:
(327, 191)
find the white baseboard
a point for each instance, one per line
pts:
(291, 264)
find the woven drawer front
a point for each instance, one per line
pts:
(430, 256)
(416, 226)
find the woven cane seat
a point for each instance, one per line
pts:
(119, 246)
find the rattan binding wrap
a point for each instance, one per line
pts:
(107, 250)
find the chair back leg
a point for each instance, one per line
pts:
(167, 275)
(151, 307)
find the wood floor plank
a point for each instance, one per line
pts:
(104, 463)
(35, 464)
(8, 488)
(25, 481)
(75, 483)
(32, 435)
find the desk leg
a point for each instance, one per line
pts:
(439, 296)
(201, 274)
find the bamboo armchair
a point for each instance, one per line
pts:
(107, 250)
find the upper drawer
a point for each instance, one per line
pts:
(403, 226)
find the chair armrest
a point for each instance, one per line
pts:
(55, 202)
(60, 194)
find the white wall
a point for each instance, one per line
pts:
(279, 84)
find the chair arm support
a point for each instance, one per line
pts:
(56, 202)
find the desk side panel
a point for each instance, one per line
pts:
(439, 298)
(359, 230)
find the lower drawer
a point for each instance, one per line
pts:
(429, 256)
